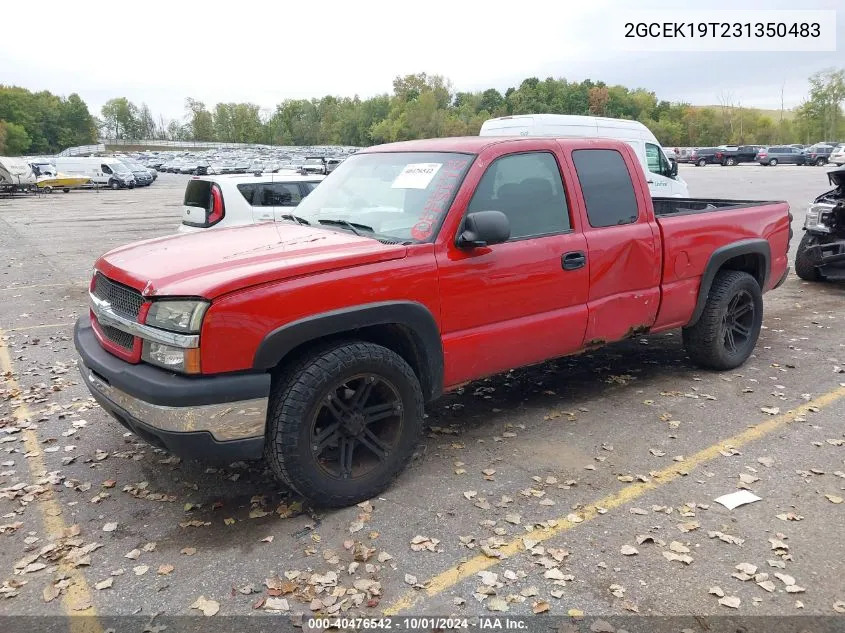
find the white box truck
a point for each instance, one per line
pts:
(662, 172)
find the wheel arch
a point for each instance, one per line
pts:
(752, 256)
(406, 327)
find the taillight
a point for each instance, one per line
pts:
(217, 210)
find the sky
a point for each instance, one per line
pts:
(265, 51)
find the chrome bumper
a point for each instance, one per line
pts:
(225, 421)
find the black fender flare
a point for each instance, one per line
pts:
(414, 317)
(757, 246)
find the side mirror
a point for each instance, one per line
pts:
(484, 228)
(673, 167)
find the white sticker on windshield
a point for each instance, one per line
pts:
(416, 176)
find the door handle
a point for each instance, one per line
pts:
(573, 260)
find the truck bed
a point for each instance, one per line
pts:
(691, 234)
(684, 206)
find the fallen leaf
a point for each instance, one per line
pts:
(188, 551)
(795, 589)
(109, 527)
(513, 518)
(541, 606)
(717, 591)
(163, 570)
(267, 539)
(410, 579)
(678, 548)
(51, 592)
(681, 558)
(276, 604)
(617, 590)
(208, 607)
(834, 499)
(104, 584)
(790, 516)
(747, 568)
(628, 550)
(497, 604)
(133, 555)
(768, 585)
(730, 601)
(770, 410)
(689, 526)
(140, 570)
(488, 578)
(785, 579)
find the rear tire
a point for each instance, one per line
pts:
(730, 162)
(66, 190)
(727, 332)
(47, 189)
(353, 399)
(773, 162)
(701, 162)
(820, 162)
(804, 267)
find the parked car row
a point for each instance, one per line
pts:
(730, 155)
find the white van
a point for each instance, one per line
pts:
(101, 170)
(663, 179)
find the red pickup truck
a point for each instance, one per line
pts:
(412, 269)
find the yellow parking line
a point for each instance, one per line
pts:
(46, 326)
(78, 592)
(457, 573)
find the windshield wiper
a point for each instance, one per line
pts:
(352, 226)
(295, 218)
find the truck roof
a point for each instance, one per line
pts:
(475, 144)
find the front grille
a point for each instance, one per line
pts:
(118, 337)
(124, 300)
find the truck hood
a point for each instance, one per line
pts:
(216, 261)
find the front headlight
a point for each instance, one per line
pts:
(184, 316)
(815, 219)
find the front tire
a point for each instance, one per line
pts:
(114, 185)
(343, 422)
(730, 162)
(820, 162)
(804, 267)
(701, 162)
(727, 332)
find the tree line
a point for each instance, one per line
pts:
(420, 106)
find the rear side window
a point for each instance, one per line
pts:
(607, 187)
(271, 194)
(247, 191)
(277, 194)
(310, 186)
(198, 194)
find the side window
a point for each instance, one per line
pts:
(528, 189)
(106, 169)
(247, 191)
(277, 194)
(308, 187)
(652, 158)
(607, 187)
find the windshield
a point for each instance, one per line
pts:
(313, 161)
(120, 168)
(395, 196)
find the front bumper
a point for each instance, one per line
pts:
(214, 418)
